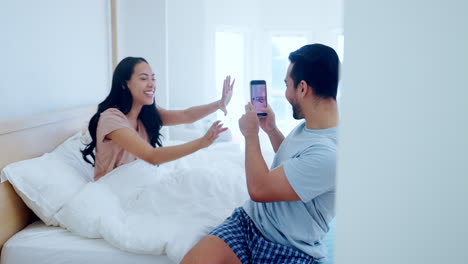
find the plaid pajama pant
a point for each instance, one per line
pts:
(239, 232)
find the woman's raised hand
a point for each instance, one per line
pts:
(212, 134)
(227, 94)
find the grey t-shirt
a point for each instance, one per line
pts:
(309, 160)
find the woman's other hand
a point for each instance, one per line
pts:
(212, 134)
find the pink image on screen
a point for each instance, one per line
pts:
(259, 97)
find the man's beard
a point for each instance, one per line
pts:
(297, 112)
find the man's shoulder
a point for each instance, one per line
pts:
(321, 149)
(309, 141)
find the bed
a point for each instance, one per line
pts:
(23, 237)
(26, 239)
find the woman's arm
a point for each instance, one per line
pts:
(192, 114)
(133, 143)
(189, 115)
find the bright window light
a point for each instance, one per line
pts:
(340, 52)
(340, 47)
(281, 47)
(230, 61)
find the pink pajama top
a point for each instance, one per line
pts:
(110, 155)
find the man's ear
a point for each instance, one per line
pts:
(303, 87)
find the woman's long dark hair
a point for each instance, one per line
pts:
(121, 98)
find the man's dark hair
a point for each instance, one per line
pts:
(318, 65)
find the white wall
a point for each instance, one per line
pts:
(186, 55)
(402, 189)
(55, 54)
(141, 32)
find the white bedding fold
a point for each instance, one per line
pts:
(148, 209)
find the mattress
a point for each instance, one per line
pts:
(41, 244)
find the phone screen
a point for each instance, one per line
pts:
(258, 96)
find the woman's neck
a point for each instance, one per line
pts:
(134, 113)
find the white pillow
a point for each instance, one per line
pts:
(46, 183)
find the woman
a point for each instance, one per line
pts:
(127, 124)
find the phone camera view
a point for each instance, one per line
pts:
(258, 96)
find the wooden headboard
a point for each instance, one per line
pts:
(27, 138)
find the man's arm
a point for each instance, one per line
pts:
(268, 124)
(276, 138)
(263, 185)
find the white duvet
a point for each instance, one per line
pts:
(148, 209)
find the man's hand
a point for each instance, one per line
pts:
(249, 123)
(268, 122)
(227, 94)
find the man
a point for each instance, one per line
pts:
(292, 204)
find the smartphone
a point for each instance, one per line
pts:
(258, 96)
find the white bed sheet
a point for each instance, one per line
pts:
(41, 244)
